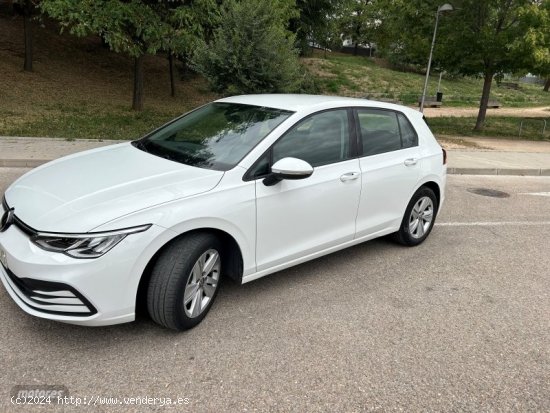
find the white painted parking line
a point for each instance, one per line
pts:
(536, 193)
(491, 224)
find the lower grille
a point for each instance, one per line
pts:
(50, 297)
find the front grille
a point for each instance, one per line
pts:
(50, 297)
(17, 222)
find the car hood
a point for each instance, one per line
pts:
(82, 191)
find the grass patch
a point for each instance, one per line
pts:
(361, 76)
(87, 122)
(497, 126)
(79, 89)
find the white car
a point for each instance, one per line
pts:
(239, 188)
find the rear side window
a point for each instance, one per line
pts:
(409, 137)
(385, 131)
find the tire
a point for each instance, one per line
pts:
(416, 226)
(181, 291)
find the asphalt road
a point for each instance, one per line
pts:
(460, 323)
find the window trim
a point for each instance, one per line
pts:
(352, 142)
(396, 113)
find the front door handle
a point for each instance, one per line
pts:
(350, 176)
(410, 162)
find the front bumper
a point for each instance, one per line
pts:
(48, 297)
(90, 292)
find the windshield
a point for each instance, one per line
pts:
(216, 136)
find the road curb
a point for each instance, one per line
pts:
(22, 163)
(69, 140)
(499, 171)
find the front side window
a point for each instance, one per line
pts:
(216, 136)
(385, 131)
(319, 140)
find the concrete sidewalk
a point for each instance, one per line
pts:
(19, 152)
(492, 157)
(478, 162)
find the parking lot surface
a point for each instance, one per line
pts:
(459, 323)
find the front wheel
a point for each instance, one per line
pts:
(184, 281)
(419, 218)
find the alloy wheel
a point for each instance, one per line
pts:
(202, 283)
(421, 217)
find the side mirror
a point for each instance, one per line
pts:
(288, 168)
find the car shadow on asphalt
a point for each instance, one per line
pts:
(228, 303)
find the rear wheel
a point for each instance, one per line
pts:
(185, 281)
(419, 218)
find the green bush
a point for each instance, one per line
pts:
(251, 51)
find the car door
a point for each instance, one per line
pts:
(390, 168)
(296, 218)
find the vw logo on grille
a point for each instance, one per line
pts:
(6, 220)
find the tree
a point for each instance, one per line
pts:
(493, 33)
(312, 18)
(537, 38)
(479, 38)
(133, 27)
(251, 51)
(328, 35)
(189, 22)
(405, 30)
(358, 20)
(26, 8)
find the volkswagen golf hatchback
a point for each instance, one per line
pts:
(238, 188)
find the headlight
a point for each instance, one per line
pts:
(90, 245)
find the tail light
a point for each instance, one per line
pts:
(444, 157)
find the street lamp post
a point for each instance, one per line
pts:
(440, 9)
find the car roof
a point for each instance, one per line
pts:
(299, 103)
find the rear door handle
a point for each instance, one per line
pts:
(410, 162)
(350, 176)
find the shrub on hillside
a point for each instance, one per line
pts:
(251, 51)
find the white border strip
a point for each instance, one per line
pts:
(491, 224)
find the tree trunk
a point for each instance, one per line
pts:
(137, 103)
(355, 48)
(172, 80)
(27, 29)
(547, 85)
(484, 100)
